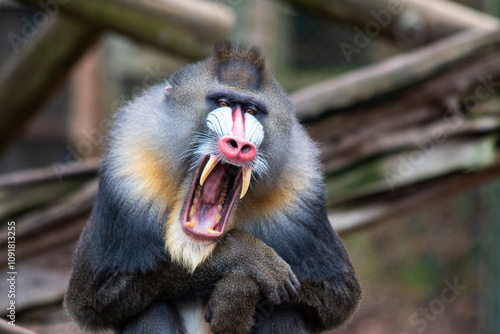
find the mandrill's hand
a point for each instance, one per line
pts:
(250, 257)
(232, 305)
(254, 271)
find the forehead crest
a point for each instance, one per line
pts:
(237, 65)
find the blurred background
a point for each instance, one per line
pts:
(402, 96)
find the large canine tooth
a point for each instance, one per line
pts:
(247, 175)
(190, 224)
(208, 168)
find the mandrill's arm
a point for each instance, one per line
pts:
(328, 296)
(112, 280)
(325, 302)
(109, 300)
(330, 291)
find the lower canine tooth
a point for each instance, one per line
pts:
(191, 212)
(212, 231)
(190, 224)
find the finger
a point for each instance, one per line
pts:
(292, 291)
(273, 296)
(294, 281)
(285, 297)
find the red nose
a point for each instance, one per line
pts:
(237, 150)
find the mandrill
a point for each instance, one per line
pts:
(210, 207)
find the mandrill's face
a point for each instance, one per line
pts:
(230, 151)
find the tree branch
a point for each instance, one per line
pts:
(395, 73)
(184, 28)
(407, 200)
(30, 78)
(441, 18)
(21, 191)
(5, 328)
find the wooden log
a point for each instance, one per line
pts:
(405, 200)
(45, 228)
(30, 78)
(417, 137)
(389, 172)
(36, 244)
(184, 28)
(441, 104)
(395, 73)
(25, 190)
(366, 120)
(437, 19)
(5, 328)
(440, 14)
(72, 206)
(42, 279)
(56, 172)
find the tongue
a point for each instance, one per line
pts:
(212, 187)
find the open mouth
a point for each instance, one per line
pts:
(212, 196)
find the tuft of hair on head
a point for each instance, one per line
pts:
(238, 65)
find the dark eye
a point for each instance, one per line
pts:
(250, 111)
(222, 103)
